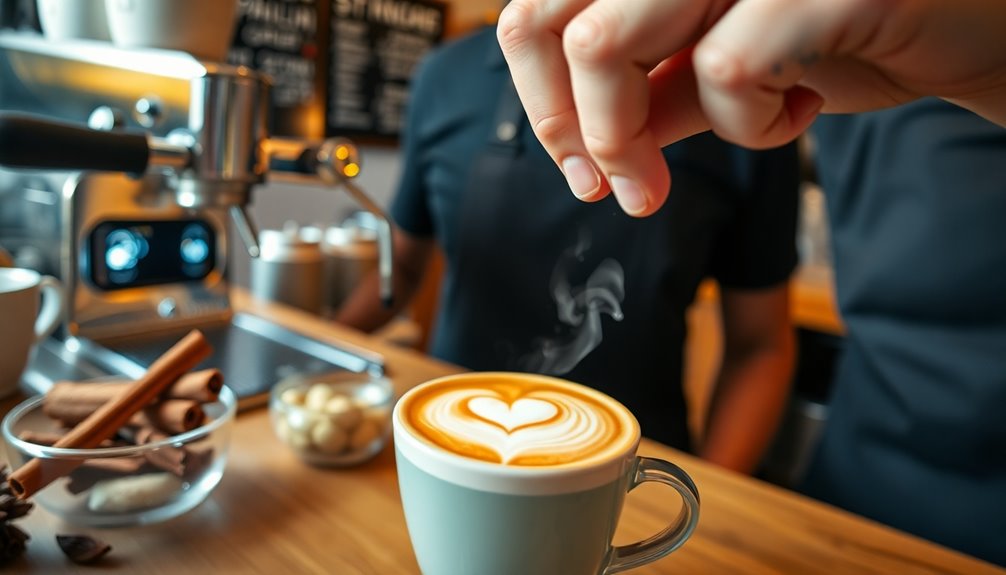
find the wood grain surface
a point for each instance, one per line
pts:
(273, 514)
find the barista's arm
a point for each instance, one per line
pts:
(754, 379)
(363, 309)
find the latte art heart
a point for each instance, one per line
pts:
(523, 412)
(519, 425)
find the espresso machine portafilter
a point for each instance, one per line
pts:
(214, 162)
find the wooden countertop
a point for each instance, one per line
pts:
(273, 514)
(814, 305)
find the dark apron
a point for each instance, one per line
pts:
(505, 191)
(522, 233)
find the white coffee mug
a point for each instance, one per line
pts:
(507, 473)
(69, 19)
(24, 324)
(203, 28)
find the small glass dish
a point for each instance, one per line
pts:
(128, 485)
(335, 421)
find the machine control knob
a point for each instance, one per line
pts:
(148, 111)
(167, 308)
(106, 118)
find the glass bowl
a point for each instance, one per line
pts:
(129, 485)
(335, 421)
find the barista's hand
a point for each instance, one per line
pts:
(607, 82)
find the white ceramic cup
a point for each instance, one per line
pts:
(23, 323)
(203, 28)
(73, 19)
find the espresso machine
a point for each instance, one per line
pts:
(125, 173)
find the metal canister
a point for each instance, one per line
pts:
(289, 268)
(350, 253)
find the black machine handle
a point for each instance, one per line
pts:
(305, 163)
(28, 142)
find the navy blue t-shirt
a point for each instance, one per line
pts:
(916, 436)
(526, 260)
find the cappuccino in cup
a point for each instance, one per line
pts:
(504, 473)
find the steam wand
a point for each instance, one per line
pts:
(336, 162)
(384, 241)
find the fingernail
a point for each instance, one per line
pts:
(715, 63)
(581, 176)
(630, 195)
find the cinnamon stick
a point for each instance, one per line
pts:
(203, 386)
(77, 396)
(171, 415)
(103, 423)
(49, 438)
(46, 438)
(120, 465)
(172, 459)
(89, 473)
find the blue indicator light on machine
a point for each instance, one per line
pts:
(124, 251)
(195, 246)
(195, 250)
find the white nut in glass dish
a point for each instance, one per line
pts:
(341, 420)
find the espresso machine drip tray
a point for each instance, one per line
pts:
(253, 353)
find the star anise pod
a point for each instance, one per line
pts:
(83, 549)
(12, 539)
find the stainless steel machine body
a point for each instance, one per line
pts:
(135, 223)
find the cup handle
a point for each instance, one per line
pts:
(630, 556)
(52, 307)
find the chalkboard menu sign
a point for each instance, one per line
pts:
(374, 46)
(283, 39)
(339, 67)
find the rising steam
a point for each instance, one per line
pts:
(579, 310)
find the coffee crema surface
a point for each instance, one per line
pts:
(528, 421)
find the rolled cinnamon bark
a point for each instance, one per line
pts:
(186, 462)
(103, 423)
(95, 470)
(171, 415)
(41, 437)
(67, 409)
(203, 386)
(173, 459)
(69, 399)
(176, 460)
(48, 438)
(122, 465)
